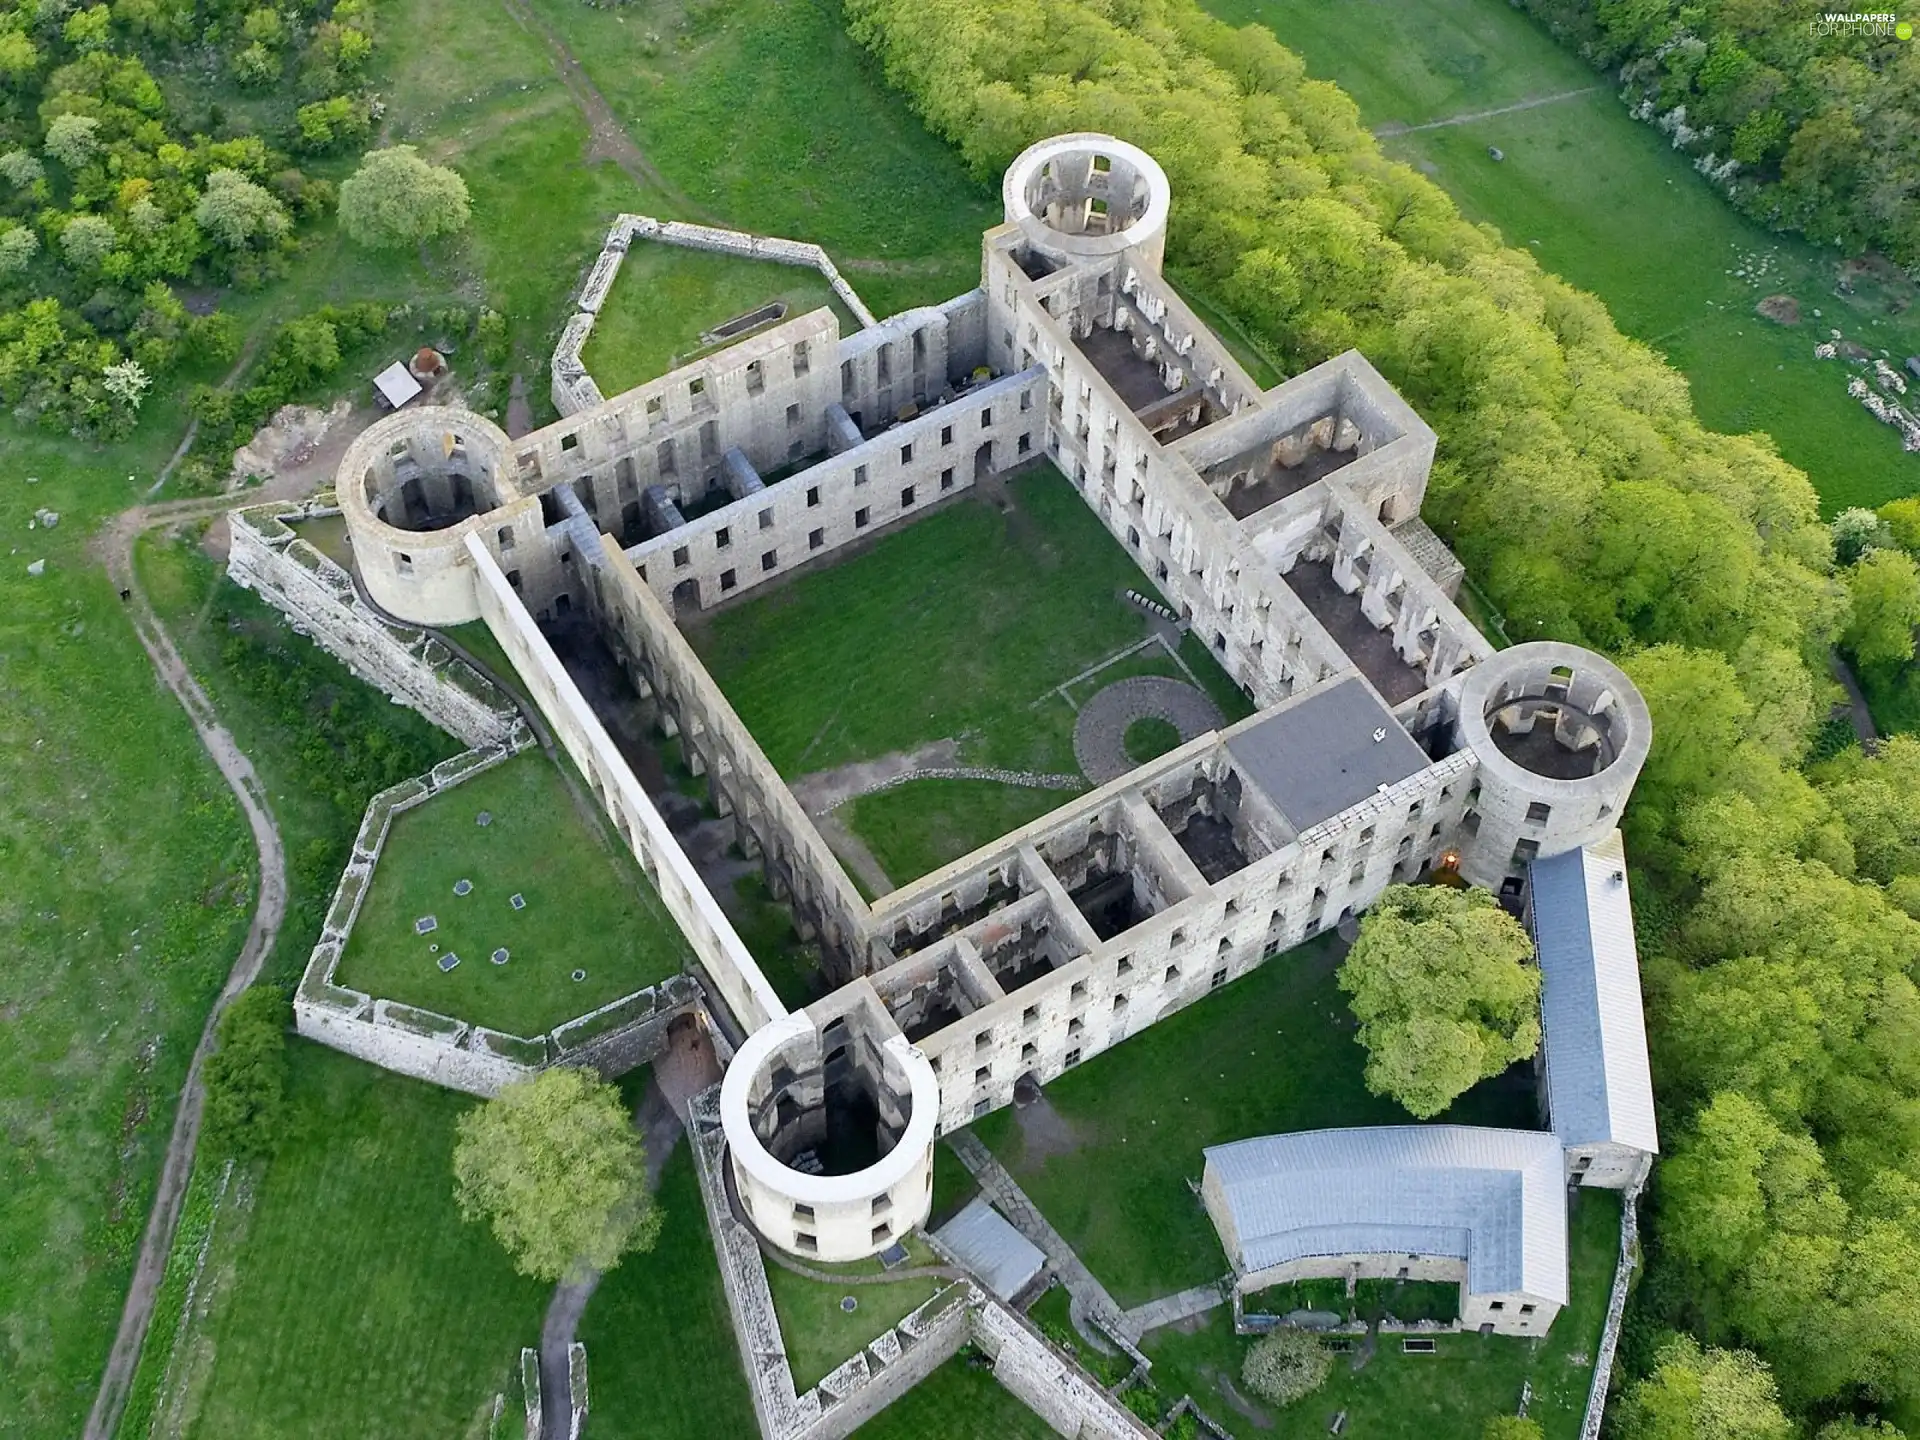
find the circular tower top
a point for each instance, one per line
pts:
(1087, 196)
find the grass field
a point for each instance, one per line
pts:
(820, 1336)
(1605, 203)
(763, 115)
(356, 1301)
(1452, 1392)
(588, 907)
(959, 1401)
(953, 626)
(661, 1357)
(664, 298)
(1272, 1052)
(915, 828)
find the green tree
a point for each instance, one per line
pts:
(554, 1165)
(1511, 1427)
(1286, 1365)
(1857, 530)
(1902, 519)
(22, 171)
(1852, 1429)
(1443, 993)
(18, 57)
(87, 240)
(396, 198)
(239, 213)
(1693, 1394)
(18, 246)
(1884, 586)
(73, 139)
(246, 1078)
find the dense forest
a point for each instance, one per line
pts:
(113, 201)
(1807, 126)
(1776, 897)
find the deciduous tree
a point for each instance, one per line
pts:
(396, 198)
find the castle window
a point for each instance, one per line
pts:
(766, 519)
(722, 538)
(816, 538)
(770, 559)
(860, 518)
(813, 495)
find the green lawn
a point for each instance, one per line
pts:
(127, 882)
(357, 1302)
(763, 115)
(1272, 1052)
(1596, 197)
(915, 828)
(588, 907)
(1148, 738)
(664, 298)
(1452, 1392)
(820, 1336)
(959, 1401)
(662, 1363)
(952, 626)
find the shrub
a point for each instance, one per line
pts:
(1286, 1365)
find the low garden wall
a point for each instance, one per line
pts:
(318, 597)
(573, 388)
(442, 1049)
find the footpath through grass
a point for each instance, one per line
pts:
(355, 1301)
(955, 625)
(1453, 1392)
(662, 1360)
(1272, 1052)
(586, 907)
(665, 298)
(1607, 204)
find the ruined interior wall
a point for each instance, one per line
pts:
(705, 926)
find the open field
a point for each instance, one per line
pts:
(763, 115)
(664, 299)
(1274, 1051)
(1597, 198)
(819, 1334)
(959, 1401)
(954, 625)
(662, 1362)
(915, 828)
(1397, 1396)
(357, 1302)
(588, 907)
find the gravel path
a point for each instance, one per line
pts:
(1099, 735)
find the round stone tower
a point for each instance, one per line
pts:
(1086, 196)
(1560, 735)
(411, 488)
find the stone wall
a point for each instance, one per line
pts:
(319, 600)
(1053, 1387)
(1616, 1303)
(441, 1048)
(573, 388)
(705, 925)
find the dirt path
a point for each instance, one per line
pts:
(115, 547)
(1857, 711)
(1381, 132)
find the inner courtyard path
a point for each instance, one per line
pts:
(1003, 1192)
(1100, 734)
(1172, 1309)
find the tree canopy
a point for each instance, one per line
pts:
(1443, 993)
(1286, 1365)
(245, 1077)
(554, 1165)
(396, 198)
(1703, 1395)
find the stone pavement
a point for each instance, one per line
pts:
(1171, 1309)
(1099, 735)
(1006, 1196)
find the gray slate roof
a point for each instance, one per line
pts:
(1317, 757)
(1003, 1258)
(1493, 1198)
(1599, 1088)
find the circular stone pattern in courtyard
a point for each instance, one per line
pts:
(1105, 735)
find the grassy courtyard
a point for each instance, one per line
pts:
(1396, 1396)
(352, 1300)
(1591, 193)
(1109, 1162)
(587, 907)
(959, 1401)
(915, 828)
(957, 625)
(820, 1334)
(665, 298)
